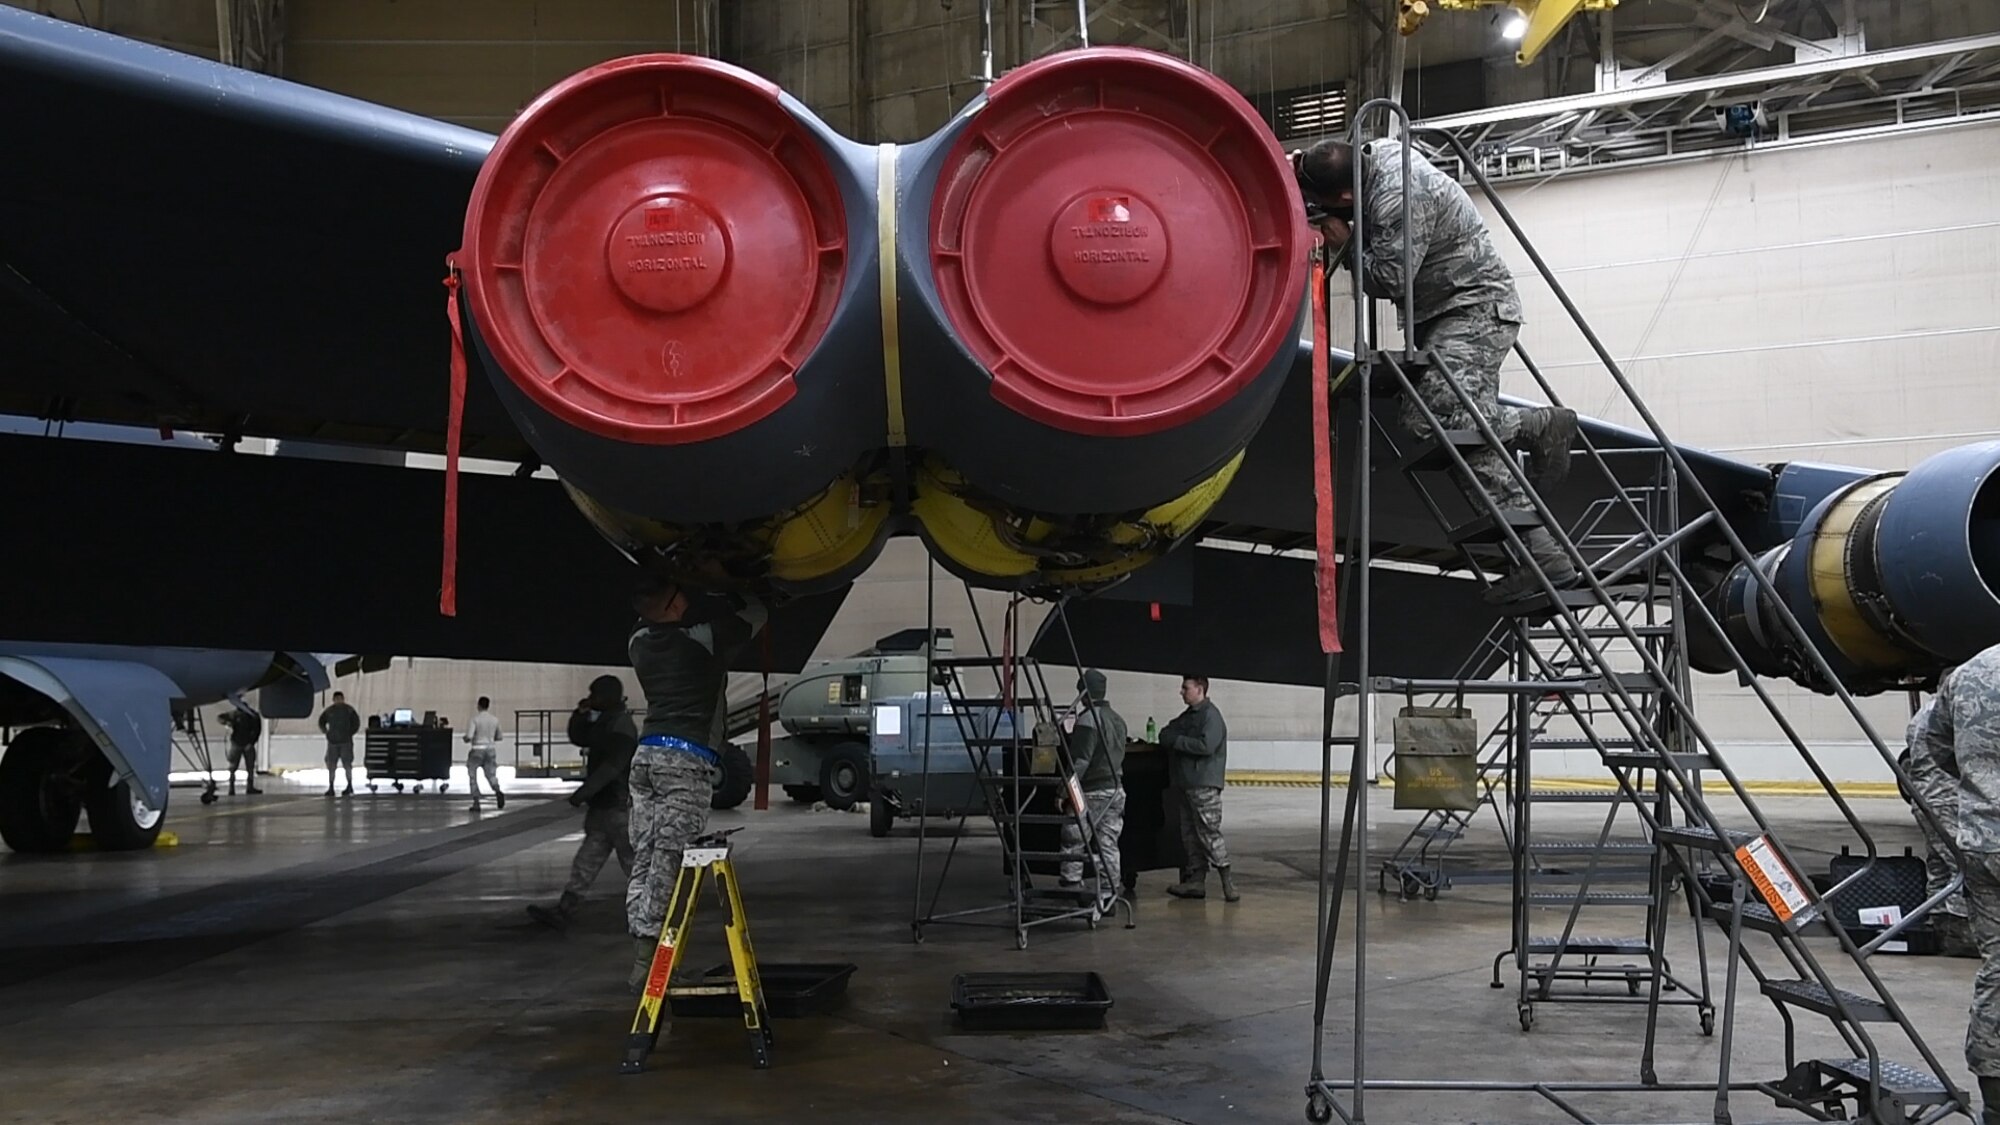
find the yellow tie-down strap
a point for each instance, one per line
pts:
(885, 253)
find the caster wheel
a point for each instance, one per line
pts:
(397, 786)
(1090, 923)
(209, 798)
(1708, 1021)
(1319, 1109)
(1020, 939)
(917, 935)
(1431, 893)
(1631, 986)
(1527, 1018)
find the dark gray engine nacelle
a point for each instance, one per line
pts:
(1892, 576)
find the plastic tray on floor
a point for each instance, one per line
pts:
(791, 990)
(1030, 1001)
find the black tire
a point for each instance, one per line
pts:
(881, 815)
(843, 776)
(121, 823)
(40, 792)
(803, 794)
(738, 775)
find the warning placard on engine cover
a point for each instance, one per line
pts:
(1780, 889)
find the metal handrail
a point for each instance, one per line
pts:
(1662, 551)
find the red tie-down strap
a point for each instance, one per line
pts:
(1323, 569)
(454, 420)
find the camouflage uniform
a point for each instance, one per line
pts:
(1939, 789)
(609, 739)
(683, 669)
(1967, 722)
(1198, 741)
(1097, 748)
(1465, 307)
(671, 790)
(605, 832)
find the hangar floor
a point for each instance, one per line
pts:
(369, 960)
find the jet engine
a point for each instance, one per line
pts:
(670, 273)
(1894, 577)
(1108, 302)
(753, 349)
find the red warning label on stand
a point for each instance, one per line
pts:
(1780, 889)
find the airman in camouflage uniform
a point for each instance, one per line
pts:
(1967, 721)
(1464, 311)
(603, 727)
(1097, 747)
(680, 652)
(1925, 761)
(1197, 745)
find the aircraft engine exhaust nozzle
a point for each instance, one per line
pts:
(1110, 253)
(669, 277)
(1895, 577)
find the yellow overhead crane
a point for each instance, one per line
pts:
(1541, 18)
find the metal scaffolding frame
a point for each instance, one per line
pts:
(1653, 716)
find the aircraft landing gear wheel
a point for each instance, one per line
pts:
(42, 790)
(1527, 1013)
(121, 820)
(1319, 1108)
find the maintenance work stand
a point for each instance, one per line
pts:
(704, 857)
(1601, 666)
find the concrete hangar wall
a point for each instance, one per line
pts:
(1834, 302)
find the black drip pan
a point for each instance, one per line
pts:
(791, 990)
(1030, 1001)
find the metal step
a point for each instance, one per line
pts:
(1622, 847)
(1592, 898)
(1813, 997)
(1579, 743)
(1486, 529)
(1697, 836)
(1040, 818)
(1598, 632)
(1756, 916)
(1430, 453)
(1009, 779)
(1575, 796)
(1577, 599)
(1589, 946)
(1913, 1086)
(1648, 760)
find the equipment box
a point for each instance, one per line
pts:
(1030, 1001)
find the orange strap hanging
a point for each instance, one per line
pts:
(1323, 538)
(455, 420)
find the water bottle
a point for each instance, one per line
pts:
(1152, 732)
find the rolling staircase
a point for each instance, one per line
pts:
(1609, 653)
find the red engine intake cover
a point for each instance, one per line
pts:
(1119, 240)
(653, 248)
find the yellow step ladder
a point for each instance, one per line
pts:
(706, 855)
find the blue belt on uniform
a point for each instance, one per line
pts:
(671, 743)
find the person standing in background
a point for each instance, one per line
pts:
(484, 735)
(339, 723)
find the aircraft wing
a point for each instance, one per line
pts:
(125, 707)
(192, 246)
